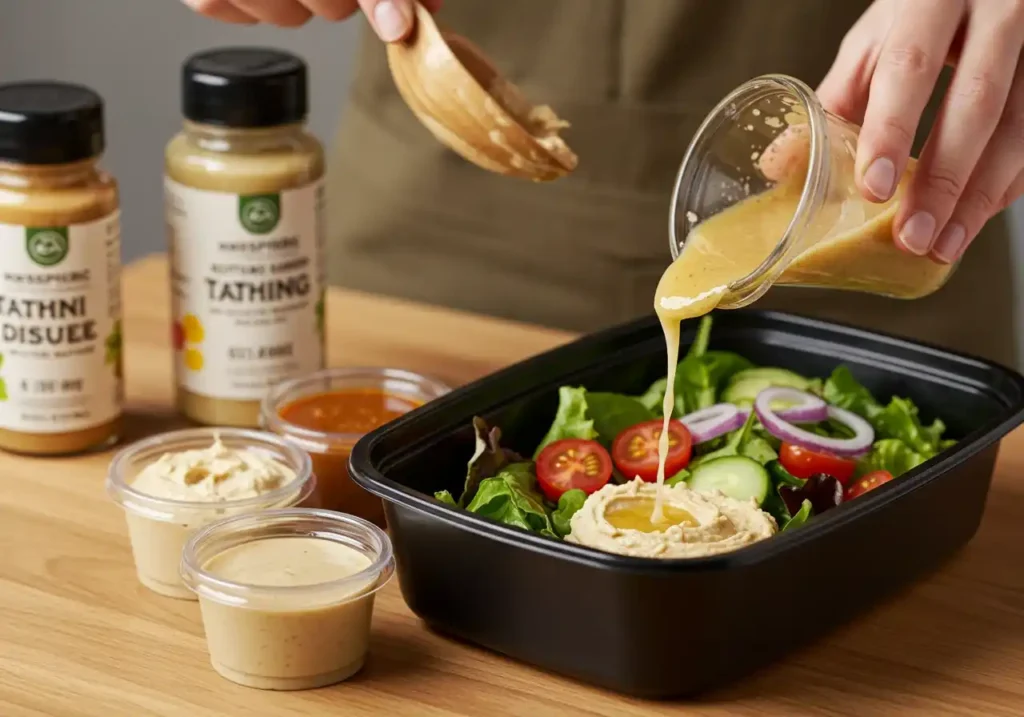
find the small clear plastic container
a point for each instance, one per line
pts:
(329, 450)
(287, 632)
(160, 527)
(773, 129)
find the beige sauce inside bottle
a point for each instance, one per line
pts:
(61, 387)
(238, 163)
(61, 196)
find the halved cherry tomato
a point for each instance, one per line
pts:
(868, 481)
(572, 463)
(803, 463)
(635, 450)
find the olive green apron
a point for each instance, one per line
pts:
(410, 218)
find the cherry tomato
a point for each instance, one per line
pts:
(867, 482)
(635, 450)
(572, 463)
(803, 463)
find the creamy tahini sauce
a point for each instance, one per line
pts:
(288, 562)
(848, 245)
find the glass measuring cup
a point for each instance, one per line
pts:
(772, 140)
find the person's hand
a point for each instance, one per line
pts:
(972, 166)
(391, 19)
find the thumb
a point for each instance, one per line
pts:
(392, 20)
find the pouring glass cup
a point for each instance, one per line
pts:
(768, 130)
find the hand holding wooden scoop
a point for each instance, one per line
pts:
(459, 96)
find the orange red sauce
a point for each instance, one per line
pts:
(350, 410)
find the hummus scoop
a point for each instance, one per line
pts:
(458, 94)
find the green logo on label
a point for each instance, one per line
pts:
(46, 246)
(259, 213)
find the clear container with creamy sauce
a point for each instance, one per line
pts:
(244, 204)
(61, 387)
(159, 526)
(768, 181)
(326, 413)
(287, 596)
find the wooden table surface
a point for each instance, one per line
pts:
(80, 636)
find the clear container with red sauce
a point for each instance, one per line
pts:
(327, 412)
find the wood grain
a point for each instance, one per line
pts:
(80, 636)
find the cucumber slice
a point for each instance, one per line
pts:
(738, 477)
(745, 385)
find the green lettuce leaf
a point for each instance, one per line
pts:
(898, 420)
(446, 497)
(488, 458)
(893, 455)
(512, 498)
(570, 502)
(571, 419)
(612, 413)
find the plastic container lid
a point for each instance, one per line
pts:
(49, 123)
(244, 87)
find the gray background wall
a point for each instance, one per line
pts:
(131, 50)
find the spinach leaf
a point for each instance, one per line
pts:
(780, 476)
(571, 419)
(775, 506)
(741, 442)
(801, 517)
(512, 498)
(612, 413)
(654, 396)
(693, 385)
(893, 455)
(570, 502)
(722, 365)
(488, 458)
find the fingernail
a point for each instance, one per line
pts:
(950, 243)
(880, 179)
(391, 22)
(916, 234)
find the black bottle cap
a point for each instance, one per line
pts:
(244, 87)
(49, 123)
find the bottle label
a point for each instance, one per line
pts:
(60, 326)
(247, 288)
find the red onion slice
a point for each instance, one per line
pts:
(808, 408)
(774, 423)
(713, 421)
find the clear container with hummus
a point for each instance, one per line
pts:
(172, 484)
(326, 413)
(61, 384)
(768, 183)
(244, 205)
(287, 596)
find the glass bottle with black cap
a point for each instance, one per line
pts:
(60, 264)
(244, 201)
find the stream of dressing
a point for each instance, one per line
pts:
(853, 249)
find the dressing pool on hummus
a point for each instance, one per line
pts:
(618, 519)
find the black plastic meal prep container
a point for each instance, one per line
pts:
(670, 628)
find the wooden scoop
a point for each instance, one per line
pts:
(459, 96)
